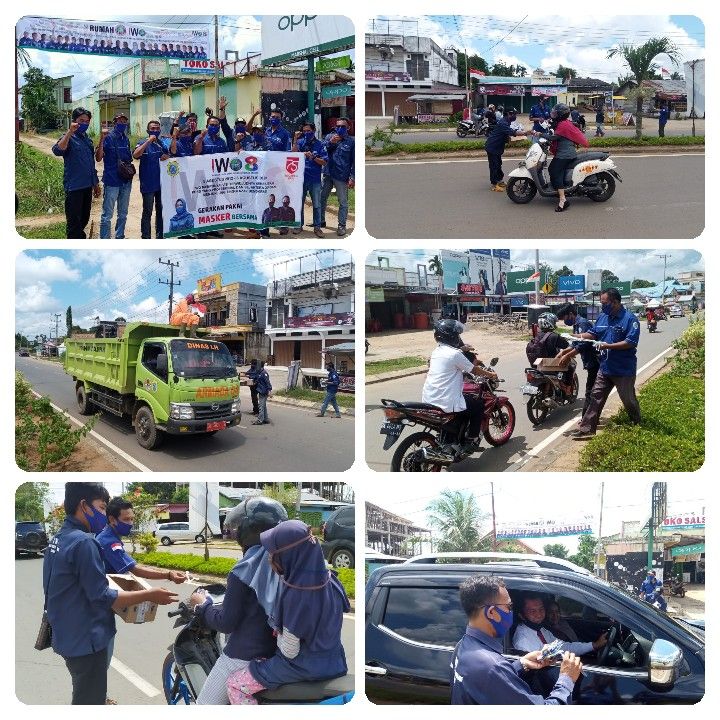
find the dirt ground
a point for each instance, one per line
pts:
(132, 227)
(691, 606)
(392, 344)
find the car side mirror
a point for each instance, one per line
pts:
(494, 362)
(665, 661)
(162, 364)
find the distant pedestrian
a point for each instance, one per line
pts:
(251, 375)
(331, 388)
(264, 388)
(663, 117)
(599, 122)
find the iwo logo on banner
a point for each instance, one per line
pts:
(542, 529)
(231, 190)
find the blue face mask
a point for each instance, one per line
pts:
(606, 308)
(97, 520)
(82, 127)
(308, 136)
(504, 624)
(274, 121)
(156, 133)
(240, 128)
(213, 129)
(341, 130)
(258, 139)
(121, 127)
(569, 323)
(123, 528)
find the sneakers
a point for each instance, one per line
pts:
(319, 414)
(500, 187)
(296, 231)
(318, 232)
(338, 417)
(471, 446)
(341, 231)
(284, 231)
(583, 435)
(259, 422)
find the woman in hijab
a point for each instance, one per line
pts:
(182, 219)
(307, 617)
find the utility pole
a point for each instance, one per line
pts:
(492, 498)
(692, 106)
(665, 259)
(170, 282)
(537, 279)
(598, 546)
(57, 323)
(217, 68)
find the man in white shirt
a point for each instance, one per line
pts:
(532, 633)
(444, 382)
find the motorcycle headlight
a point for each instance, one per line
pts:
(560, 376)
(181, 411)
(235, 407)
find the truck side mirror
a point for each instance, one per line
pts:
(162, 364)
(665, 661)
(494, 362)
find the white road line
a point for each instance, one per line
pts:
(131, 676)
(482, 159)
(101, 439)
(534, 452)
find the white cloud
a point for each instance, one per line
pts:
(48, 269)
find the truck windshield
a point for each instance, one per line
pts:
(198, 358)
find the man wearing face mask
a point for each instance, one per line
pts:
(286, 212)
(278, 138)
(113, 147)
(181, 141)
(481, 674)
(78, 598)
(80, 178)
(150, 152)
(618, 331)
(339, 172)
(316, 157)
(209, 142)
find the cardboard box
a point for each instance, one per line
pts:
(142, 612)
(551, 365)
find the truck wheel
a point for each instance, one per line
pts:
(85, 406)
(148, 436)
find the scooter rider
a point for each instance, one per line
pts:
(252, 587)
(444, 382)
(554, 345)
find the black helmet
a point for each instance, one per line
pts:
(560, 112)
(247, 520)
(448, 332)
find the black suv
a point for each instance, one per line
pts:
(30, 537)
(414, 620)
(339, 538)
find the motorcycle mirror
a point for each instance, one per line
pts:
(494, 362)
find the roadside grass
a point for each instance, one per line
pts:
(53, 231)
(383, 366)
(218, 566)
(332, 200)
(345, 400)
(38, 182)
(671, 437)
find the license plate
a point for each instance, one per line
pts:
(391, 428)
(530, 390)
(220, 425)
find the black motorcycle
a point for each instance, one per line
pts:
(677, 587)
(468, 127)
(548, 390)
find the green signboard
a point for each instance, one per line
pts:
(623, 286)
(687, 549)
(374, 294)
(333, 63)
(333, 91)
(516, 281)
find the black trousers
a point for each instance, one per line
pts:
(591, 375)
(556, 170)
(89, 678)
(254, 399)
(495, 164)
(77, 212)
(150, 199)
(475, 408)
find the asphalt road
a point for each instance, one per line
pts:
(134, 677)
(290, 443)
(661, 196)
(511, 367)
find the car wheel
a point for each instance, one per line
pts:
(199, 538)
(343, 558)
(166, 541)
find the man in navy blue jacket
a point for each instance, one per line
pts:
(316, 157)
(113, 147)
(339, 172)
(331, 388)
(150, 152)
(264, 388)
(495, 147)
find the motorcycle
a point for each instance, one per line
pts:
(197, 648)
(592, 174)
(439, 445)
(652, 325)
(677, 587)
(546, 391)
(467, 127)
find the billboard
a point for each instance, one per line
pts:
(480, 268)
(325, 320)
(571, 284)
(112, 38)
(209, 284)
(455, 268)
(686, 521)
(289, 38)
(581, 525)
(500, 263)
(204, 503)
(594, 280)
(695, 87)
(517, 281)
(622, 285)
(201, 67)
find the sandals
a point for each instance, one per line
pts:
(563, 208)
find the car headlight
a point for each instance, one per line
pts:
(181, 411)
(235, 407)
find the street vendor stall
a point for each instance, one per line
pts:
(343, 357)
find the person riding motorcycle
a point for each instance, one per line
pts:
(252, 587)
(554, 345)
(444, 382)
(650, 317)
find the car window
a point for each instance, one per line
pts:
(426, 615)
(346, 517)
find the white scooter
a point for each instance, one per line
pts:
(592, 174)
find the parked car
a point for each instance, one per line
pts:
(676, 311)
(170, 532)
(30, 537)
(339, 537)
(414, 620)
(24, 352)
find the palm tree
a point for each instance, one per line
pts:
(435, 267)
(640, 61)
(457, 517)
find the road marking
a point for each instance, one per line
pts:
(100, 438)
(535, 451)
(131, 676)
(445, 161)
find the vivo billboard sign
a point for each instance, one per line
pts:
(571, 284)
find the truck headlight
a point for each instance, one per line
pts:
(235, 407)
(181, 411)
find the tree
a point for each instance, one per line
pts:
(552, 276)
(435, 267)
(120, 319)
(69, 320)
(640, 61)
(161, 491)
(38, 99)
(287, 494)
(21, 341)
(470, 62)
(557, 550)
(502, 70)
(457, 517)
(181, 495)
(640, 283)
(585, 556)
(565, 72)
(608, 278)
(677, 76)
(30, 499)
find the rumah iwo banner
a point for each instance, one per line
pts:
(542, 529)
(120, 39)
(230, 190)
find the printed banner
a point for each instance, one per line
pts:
(548, 91)
(329, 320)
(454, 267)
(209, 284)
(683, 522)
(118, 39)
(481, 268)
(229, 190)
(201, 67)
(546, 528)
(501, 89)
(382, 76)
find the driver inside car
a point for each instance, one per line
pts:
(444, 382)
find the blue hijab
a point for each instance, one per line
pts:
(311, 600)
(255, 571)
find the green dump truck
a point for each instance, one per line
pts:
(164, 380)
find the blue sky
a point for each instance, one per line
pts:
(546, 41)
(112, 283)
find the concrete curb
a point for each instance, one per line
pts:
(309, 404)
(382, 377)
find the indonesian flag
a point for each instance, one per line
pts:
(535, 276)
(477, 74)
(665, 73)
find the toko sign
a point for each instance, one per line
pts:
(571, 283)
